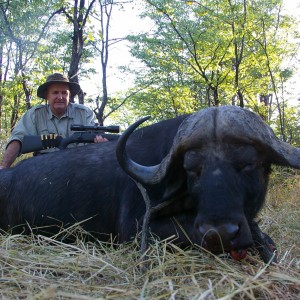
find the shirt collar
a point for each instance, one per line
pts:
(68, 113)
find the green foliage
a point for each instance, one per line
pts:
(218, 52)
(161, 103)
(291, 125)
(35, 41)
(23, 25)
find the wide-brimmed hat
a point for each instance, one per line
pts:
(58, 78)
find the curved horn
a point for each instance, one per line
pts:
(143, 174)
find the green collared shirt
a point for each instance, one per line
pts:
(40, 120)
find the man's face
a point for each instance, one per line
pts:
(58, 96)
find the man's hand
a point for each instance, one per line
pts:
(100, 139)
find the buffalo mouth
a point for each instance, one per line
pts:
(238, 247)
(235, 253)
(228, 236)
(238, 254)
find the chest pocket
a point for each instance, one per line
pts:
(42, 122)
(44, 130)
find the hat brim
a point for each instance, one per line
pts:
(74, 88)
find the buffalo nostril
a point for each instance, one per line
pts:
(204, 229)
(229, 230)
(222, 233)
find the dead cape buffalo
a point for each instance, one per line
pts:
(212, 166)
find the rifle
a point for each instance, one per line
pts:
(83, 134)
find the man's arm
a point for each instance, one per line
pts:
(25, 126)
(11, 153)
(92, 120)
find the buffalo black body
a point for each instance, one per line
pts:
(214, 172)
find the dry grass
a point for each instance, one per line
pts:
(37, 267)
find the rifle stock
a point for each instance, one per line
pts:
(34, 143)
(31, 143)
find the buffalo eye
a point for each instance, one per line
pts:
(193, 162)
(246, 167)
(194, 172)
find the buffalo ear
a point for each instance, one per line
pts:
(283, 154)
(246, 126)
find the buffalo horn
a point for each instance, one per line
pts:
(142, 174)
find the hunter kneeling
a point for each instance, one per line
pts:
(55, 117)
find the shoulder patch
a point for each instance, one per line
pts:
(38, 106)
(80, 106)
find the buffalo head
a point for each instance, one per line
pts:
(220, 162)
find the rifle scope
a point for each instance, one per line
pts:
(114, 129)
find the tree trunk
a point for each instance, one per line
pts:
(1, 84)
(78, 20)
(105, 16)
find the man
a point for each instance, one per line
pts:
(56, 116)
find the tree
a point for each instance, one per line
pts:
(213, 49)
(35, 44)
(77, 15)
(103, 17)
(19, 43)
